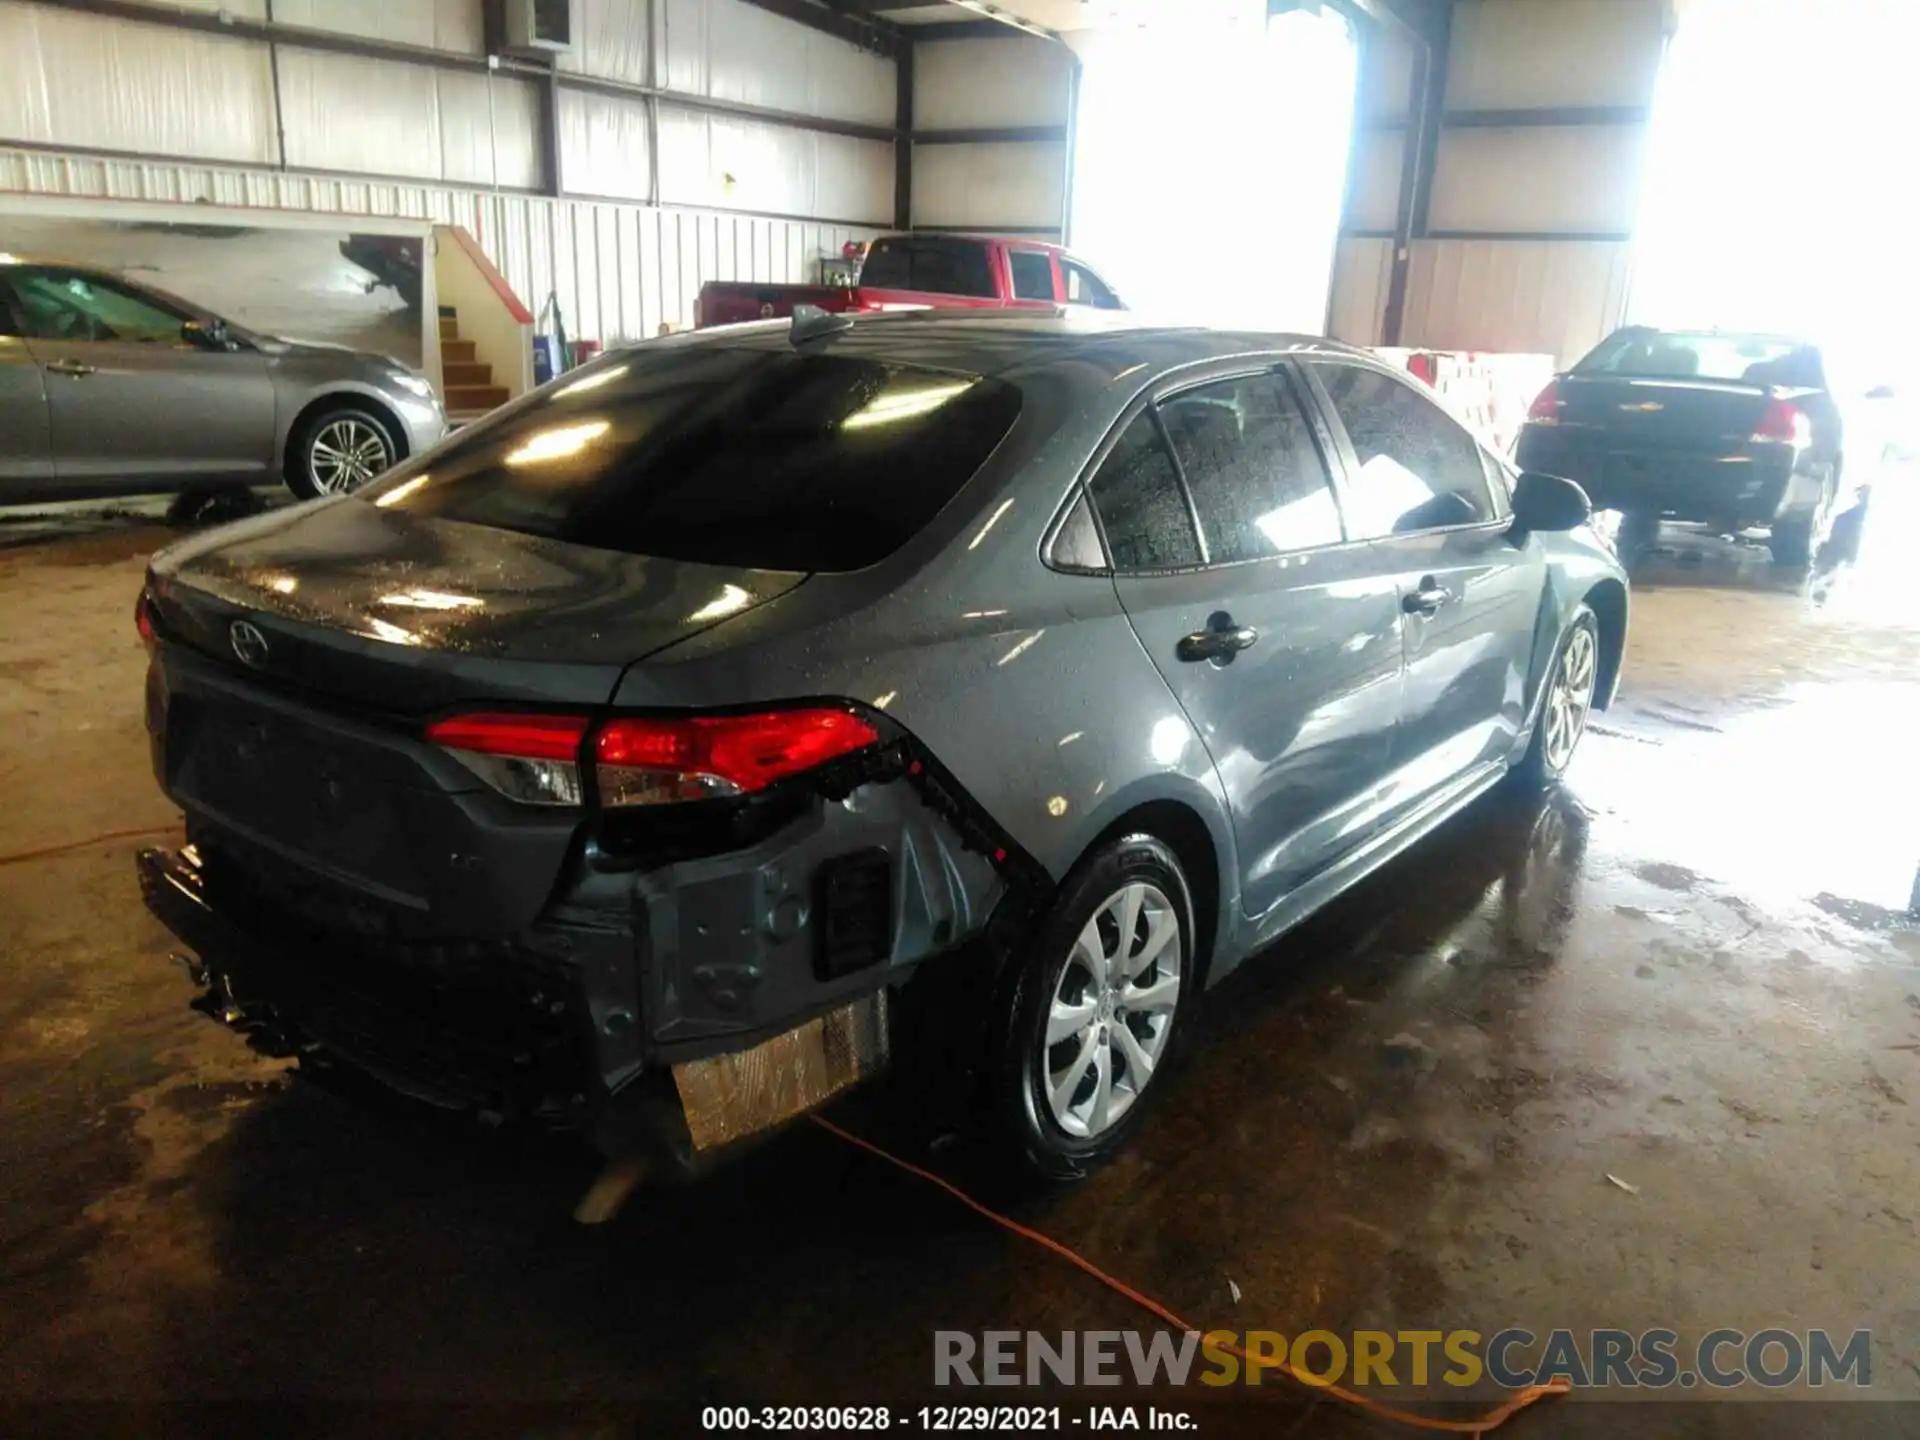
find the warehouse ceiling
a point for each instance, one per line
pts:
(1065, 16)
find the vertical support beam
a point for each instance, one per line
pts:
(1073, 145)
(903, 139)
(279, 111)
(550, 130)
(656, 42)
(1425, 107)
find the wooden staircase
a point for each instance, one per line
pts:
(469, 379)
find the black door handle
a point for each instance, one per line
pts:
(1220, 643)
(1427, 599)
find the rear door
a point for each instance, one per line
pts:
(24, 457)
(128, 398)
(1035, 285)
(1417, 487)
(1280, 641)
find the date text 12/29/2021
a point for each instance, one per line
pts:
(945, 1419)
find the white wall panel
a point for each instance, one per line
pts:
(742, 164)
(729, 50)
(603, 146)
(1516, 54)
(74, 79)
(1373, 179)
(343, 112)
(1553, 297)
(1362, 269)
(437, 24)
(989, 186)
(1574, 178)
(610, 40)
(619, 271)
(964, 84)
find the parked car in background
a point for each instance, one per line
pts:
(110, 387)
(653, 722)
(1735, 430)
(951, 272)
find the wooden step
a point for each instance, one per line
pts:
(475, 397)
(457, 352)
(449, 328)
(467, 372)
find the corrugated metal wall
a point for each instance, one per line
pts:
(75, 80)
(1527, 232)
(619, 270)
(1018, 82)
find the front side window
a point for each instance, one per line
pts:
(1086, 288)
(932, 266)
(761, 458)
(69, 305)
(1141, 504)
(1419, 469)
(1032, 274)
(1253, 469)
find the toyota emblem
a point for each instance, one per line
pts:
(248, 643)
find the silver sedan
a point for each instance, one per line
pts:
(108, 387)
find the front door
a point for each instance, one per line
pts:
(26, 463)
(1417, 485)
(129, 398)
(1280, 641)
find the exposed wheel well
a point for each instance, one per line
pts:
(1186, 833)
(345, 400)
(1608, 601)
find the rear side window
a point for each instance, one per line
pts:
(1253, 469)
(1141, 504)
(761, 458)
(938, 267)
(1419, 469)
(1086, 288)
(1032, 274)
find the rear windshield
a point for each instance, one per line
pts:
(768, 459)
(938, 267)
(1677, 355)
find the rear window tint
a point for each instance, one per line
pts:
(767, 459)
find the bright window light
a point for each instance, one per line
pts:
(1210, 163)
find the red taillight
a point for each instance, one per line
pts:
(143, 618)
(1784, 424)
(637, 761)
(654, 761)
(520, 737)
(1546, 406)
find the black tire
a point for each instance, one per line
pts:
(1639, 533)
(305, 475)
(1541, 769)
(1792, 541)
(1024, 1117)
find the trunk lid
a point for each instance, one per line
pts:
(406, 615)
(1696, 416)
(296, 744)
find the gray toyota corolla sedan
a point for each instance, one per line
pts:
(752, 708)
(108, 387)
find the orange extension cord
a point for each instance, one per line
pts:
(1491, 1420)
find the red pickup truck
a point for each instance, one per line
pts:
(910, 272)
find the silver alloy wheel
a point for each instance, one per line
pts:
(1569, 698)
(346, 453)
(1113, 1009)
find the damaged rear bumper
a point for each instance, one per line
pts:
(679, 1007)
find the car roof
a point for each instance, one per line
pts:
(1012, 344)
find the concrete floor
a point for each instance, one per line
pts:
(1691, 970)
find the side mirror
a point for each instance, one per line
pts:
(1882, 392)
(1548, 503)
(207, 334)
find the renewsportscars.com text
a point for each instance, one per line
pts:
(1513, 1358)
